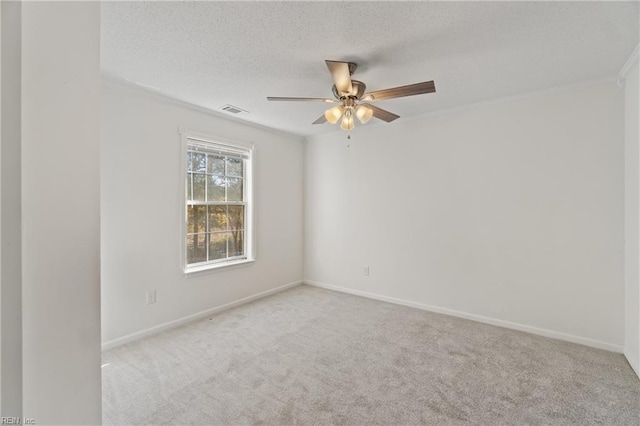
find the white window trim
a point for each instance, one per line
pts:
(185, 135)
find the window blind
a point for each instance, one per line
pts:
(217, 149)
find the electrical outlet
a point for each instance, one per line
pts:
(151, 297)
(366, 270)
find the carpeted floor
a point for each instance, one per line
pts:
(312, 356)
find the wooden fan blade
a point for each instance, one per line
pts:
(276, 98)
(321, 120)
(382, 114)
(341, 76)
(399, 92)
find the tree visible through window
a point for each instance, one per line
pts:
(216, 203)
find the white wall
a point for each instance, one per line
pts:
(60, 212)
(10, 258)
(510, 211)
(632, 217)
(141, 212)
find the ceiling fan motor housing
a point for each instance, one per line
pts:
(357, 90)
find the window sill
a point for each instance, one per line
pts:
(199, 270)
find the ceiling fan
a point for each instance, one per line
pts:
(353, 101)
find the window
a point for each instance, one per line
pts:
(218, 208)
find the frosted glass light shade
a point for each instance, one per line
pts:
(363, 113)
(333, 114)
(347, 122)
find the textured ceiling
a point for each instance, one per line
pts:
(216, 53)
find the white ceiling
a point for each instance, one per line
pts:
(216, 53)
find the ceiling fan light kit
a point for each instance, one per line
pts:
(347, 120)
(351, 97)
(333, 114)
(364, 113)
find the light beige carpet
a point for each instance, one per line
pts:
(312, 356)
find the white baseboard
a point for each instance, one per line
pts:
(175, 323)
(497, 322)
(632, 362)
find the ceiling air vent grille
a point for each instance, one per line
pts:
(234, 109)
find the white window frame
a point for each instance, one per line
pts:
(188, 135)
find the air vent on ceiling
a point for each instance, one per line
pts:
(234, 109)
